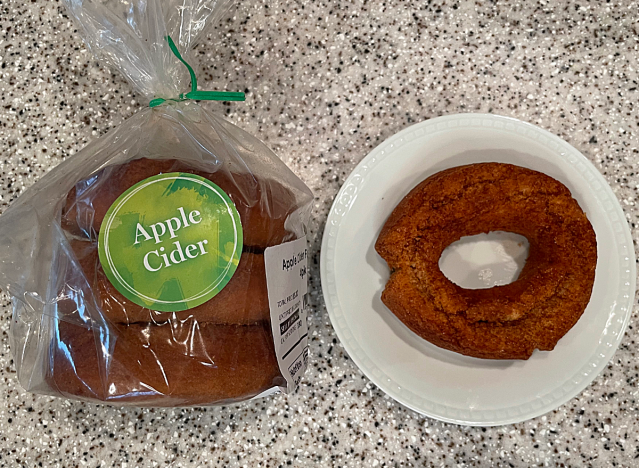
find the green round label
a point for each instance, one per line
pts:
(171, 242)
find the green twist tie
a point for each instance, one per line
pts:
(194, 94)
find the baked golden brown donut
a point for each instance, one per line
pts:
(243, 301)
(502, 322)
(164, 365)
(263, 204)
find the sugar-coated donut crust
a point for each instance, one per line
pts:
(502, 322)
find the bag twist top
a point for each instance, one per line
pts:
(131, 37)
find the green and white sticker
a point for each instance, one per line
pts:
(171, 242)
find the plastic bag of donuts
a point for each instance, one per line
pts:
(146, 268)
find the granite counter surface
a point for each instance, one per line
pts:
(328, 81)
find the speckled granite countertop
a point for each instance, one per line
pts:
(328, 81)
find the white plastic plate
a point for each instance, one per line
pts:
(434, 381)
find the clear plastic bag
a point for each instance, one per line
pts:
(74, 333)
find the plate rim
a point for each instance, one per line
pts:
(565, 152)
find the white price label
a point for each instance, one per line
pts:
(286, 279)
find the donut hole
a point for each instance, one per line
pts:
(485, 260)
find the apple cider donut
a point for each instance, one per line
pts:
(169, 364)
(243, 301)
(263, 204)
(503, 322)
